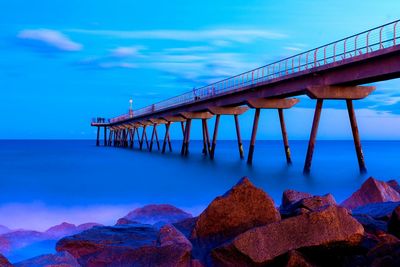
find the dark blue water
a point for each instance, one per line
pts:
(64, 175)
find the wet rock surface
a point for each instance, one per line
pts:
(241, 208)
(371, 191)
(332, 226)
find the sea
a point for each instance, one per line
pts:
(45, 182)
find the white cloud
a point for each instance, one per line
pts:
(237, 35)
(51, 38)
(127, 51)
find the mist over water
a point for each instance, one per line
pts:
(44, 183)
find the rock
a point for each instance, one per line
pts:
(394, 184)
(296, 259)
(385, 255)
(306, 205)
(62, 259)
(4, 262)
(378, 211)
(370, 224)
(156, 214)
(124, 245)
(241, 208)
(330, 227)
(186, 226)
(65, 229)
(123, 221)
(291, 196)
(371, 191)
(394, 222)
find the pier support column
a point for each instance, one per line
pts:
(157, 140)
(152, 136)
(269, 103)
(143, 134)
(207, 137)
(348, 93)
(236, 111)
(313, 135)
(166, 138)
(239, 137)
(105, 136)
(356, 136)
(205, 148)
(253, 136)
(109, 141)
(284, 136)
(186, 139)
(98, 136)
(214, 141)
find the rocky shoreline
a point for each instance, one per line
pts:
(244, 227)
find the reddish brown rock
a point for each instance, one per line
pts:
(394, 184)
(371, 191)
(296, 259)
(4, 262)
(61, 259)
(332, 226)
(156, 214)
(241, 208)
(291, 196)
(142, 245)
(394, 222)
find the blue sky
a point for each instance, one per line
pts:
(64, 62)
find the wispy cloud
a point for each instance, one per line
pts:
(236, 35)
(127, 51)
(49, 38)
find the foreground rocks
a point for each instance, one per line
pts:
(331, 227)
(372, 191)
(243, 227)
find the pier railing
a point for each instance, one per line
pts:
(372, 40)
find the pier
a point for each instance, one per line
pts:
(340, 70)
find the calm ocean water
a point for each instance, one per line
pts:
(44, 183)
(70, 174)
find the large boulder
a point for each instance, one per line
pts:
(331, 227)
(125, 245)
(155, 214)
(62, 259)
(394, 222)
(371, 191)
(241, 208)
(4, 262)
